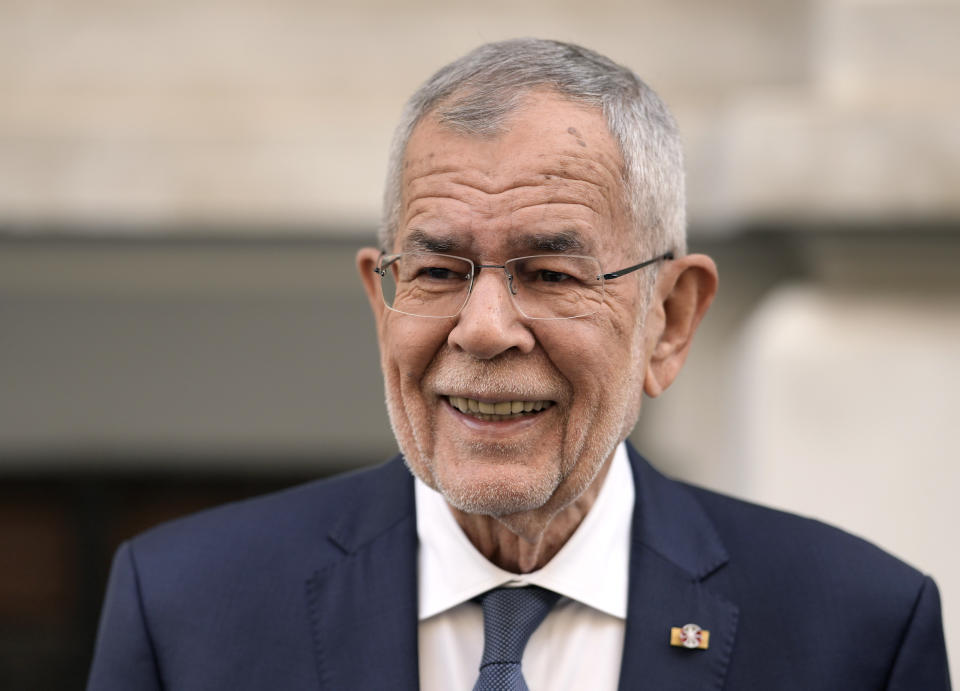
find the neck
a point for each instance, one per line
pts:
(525, 542)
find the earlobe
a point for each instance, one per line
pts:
(685, 289)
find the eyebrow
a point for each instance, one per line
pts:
(561, 241)
(421, 241)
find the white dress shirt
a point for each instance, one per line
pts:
(580, 643)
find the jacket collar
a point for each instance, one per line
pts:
(669, 521)
(374, 503)
(363, 605)
(674, 549)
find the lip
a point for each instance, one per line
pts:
(496, 398)
(499, 427)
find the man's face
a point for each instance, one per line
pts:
(550, 181)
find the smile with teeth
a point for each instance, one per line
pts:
(501, 410)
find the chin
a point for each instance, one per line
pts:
(502, 495)
(475, 481)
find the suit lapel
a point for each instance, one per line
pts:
(674, 549)
(363, 605)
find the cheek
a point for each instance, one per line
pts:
(409, 345)
(589, 351)
(578, 352)
(602, 361)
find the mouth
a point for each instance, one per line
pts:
(498, 411)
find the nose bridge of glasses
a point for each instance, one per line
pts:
(507, 275)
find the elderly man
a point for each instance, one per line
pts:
(531, 284)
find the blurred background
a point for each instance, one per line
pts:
(183, 186)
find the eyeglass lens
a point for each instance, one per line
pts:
(542, 287)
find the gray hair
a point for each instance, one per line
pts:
(476, 94)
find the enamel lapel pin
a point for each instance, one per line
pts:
(690, 636)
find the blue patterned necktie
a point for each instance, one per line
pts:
(510, 616)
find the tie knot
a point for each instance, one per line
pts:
(510, 616)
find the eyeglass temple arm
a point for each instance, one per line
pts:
(630, 269)
(380, 270)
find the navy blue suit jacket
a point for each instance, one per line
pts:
(316, 588)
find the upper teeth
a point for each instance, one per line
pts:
(471, 405)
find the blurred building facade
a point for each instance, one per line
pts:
(183, 187)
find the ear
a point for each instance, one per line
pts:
(685, 288)
(367, 259)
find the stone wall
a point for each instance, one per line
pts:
(153, 115)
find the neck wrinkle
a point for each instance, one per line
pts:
(527, 541)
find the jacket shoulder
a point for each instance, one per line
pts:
(747, 527)
(272, 528)
(790, 558)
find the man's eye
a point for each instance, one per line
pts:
(438, 273)
(549, 276)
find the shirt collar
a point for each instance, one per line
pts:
(591, 568)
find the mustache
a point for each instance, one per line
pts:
(531, 377)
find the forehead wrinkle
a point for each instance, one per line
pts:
(555, 170)
(604, 179)
(425, 194)
(515, 203)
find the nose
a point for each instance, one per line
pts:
(490, 323)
